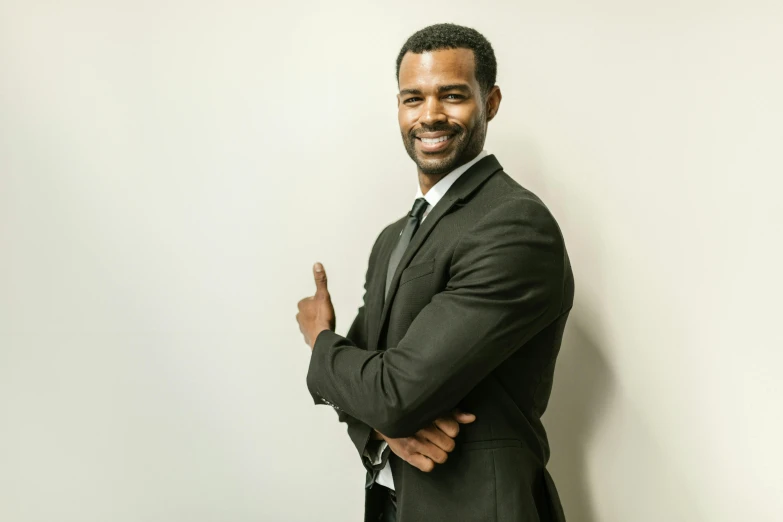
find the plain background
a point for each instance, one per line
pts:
(169, 172)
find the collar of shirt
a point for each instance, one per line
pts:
(437, 191)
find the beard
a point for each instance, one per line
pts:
(465, 145)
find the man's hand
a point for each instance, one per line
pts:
(430, 445)
(316, 313)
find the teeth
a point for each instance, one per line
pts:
(434, 140)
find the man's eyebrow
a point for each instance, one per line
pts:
(443, 88)
(454, 87)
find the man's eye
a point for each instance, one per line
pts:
(408, 100)
(455, 96)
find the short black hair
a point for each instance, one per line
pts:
(453, 36)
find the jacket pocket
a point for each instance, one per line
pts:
(489, 444)
(417, 270)
(463, 489)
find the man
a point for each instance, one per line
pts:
(465, 303)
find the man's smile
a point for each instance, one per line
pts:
(434, 141)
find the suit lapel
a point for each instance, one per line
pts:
(375, 293)
(460, 190)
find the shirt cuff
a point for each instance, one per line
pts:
(374, 452)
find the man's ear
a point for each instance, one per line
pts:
(493, 102)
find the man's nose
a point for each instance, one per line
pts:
(433, 111)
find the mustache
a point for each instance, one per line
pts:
(453, 129)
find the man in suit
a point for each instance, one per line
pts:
(466, 299)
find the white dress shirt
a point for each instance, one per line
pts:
(433, 195)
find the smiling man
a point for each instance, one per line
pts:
(447, 368)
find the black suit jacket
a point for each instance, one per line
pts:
(474, 319)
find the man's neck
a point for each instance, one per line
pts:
(427, 181)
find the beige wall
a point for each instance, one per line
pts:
(170, 171)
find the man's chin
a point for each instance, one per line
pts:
(430, 165)
(434, 170)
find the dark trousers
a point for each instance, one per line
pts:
(387, 504)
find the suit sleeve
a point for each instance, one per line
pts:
(358, 431)
(506, 284)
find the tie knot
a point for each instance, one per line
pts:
(419, 206)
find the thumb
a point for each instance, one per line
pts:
(320, 280)
(463, 418)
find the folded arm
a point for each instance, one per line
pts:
(506, 285)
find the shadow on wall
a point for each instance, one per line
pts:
(583, 384)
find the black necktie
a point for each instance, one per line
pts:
(414, 218)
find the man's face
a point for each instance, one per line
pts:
(441, 111)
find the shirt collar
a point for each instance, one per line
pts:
(437, 191)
